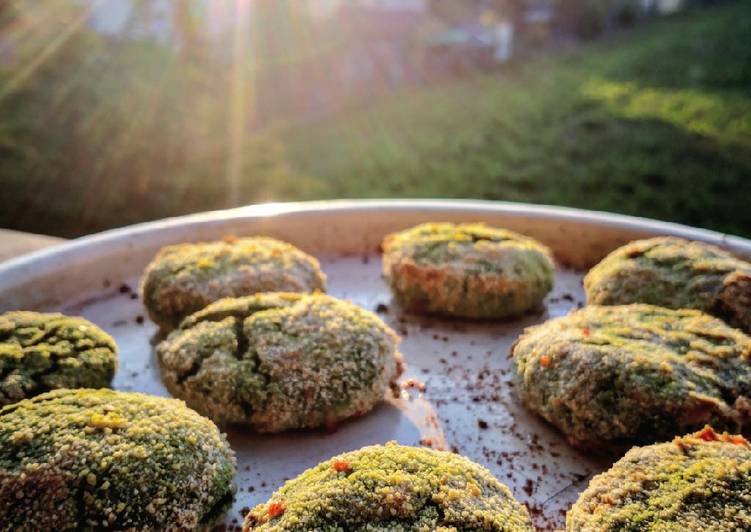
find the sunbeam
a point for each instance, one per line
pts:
(48, 51)
(239, 113)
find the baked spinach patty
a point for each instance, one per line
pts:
(392, 488)
(674, 273)
(280, 361)
(611, 376)
(700, 482)
(40, 352)
(466, 270)
(184, 278)
(106, 460)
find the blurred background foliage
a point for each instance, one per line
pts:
(102, 129)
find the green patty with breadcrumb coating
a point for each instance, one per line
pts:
(696, 483)
(392, 488)
(281, 361)
(106, 460)
(613, 376)
(674, 273)
(467, 270)
(42, 352)
(184, 278)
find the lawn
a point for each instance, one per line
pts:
(653, 121)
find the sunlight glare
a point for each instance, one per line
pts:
(239, 114)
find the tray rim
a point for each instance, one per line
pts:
(16, 269)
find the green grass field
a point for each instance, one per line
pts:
(653, 121)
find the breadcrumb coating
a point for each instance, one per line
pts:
(392, 488)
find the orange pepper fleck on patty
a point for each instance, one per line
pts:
(276, 509)
(340, 466)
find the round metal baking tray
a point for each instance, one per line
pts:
(468, 404)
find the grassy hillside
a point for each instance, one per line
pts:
(655, 122)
